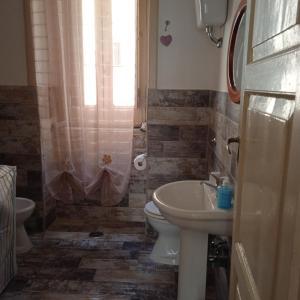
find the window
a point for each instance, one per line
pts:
(89, 52)
(129, 18)
(124, 52)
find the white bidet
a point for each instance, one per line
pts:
(24, 209)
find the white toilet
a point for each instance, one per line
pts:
(24, 209)
(166, 248)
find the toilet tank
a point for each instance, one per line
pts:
(210, 12)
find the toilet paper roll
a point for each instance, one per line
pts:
(140, 162)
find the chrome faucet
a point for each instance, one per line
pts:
(209, 184)
(217, 176)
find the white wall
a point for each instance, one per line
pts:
(13, 69)
(191, 61)
(222, 80)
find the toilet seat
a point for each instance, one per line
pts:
(152, 210)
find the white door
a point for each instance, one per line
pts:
(266, 237)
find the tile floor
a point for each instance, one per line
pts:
(67, 263)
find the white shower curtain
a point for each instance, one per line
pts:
(86, 149)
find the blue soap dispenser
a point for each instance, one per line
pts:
(224, 194)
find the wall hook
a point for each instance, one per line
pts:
(167, 24)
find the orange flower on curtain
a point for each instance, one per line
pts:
(107, 159)
(79, 140)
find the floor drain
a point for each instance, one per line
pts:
(96, 234)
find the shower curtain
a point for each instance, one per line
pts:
(86, 148)
(8, 264)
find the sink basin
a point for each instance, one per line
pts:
(191, 205)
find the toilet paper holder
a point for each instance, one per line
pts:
(145, 155)
(140, 162)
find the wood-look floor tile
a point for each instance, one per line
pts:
(134, 276)
(67, 263)
(37, 255)
(86, 236)
(91, 287)
(54, 296)
(108, 264)
(56, 273)
(111, 214)
(86, 225)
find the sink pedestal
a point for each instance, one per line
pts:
(193, 265)
(192, 206)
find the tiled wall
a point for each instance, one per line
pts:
(178, 123)
(20, 143)
(181, 125)
(138, 179)
(225, 123)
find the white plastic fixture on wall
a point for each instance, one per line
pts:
(210, 13)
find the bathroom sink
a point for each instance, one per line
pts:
(191, 204)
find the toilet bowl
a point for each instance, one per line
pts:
(166, 248)
(24, 209)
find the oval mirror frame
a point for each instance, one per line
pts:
(233, 91)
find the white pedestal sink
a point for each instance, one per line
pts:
(191, 205)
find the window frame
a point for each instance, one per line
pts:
(146, 70)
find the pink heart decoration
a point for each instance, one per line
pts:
(166, 40)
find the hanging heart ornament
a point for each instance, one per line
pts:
(166, 40)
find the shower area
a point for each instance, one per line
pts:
(83, 54)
